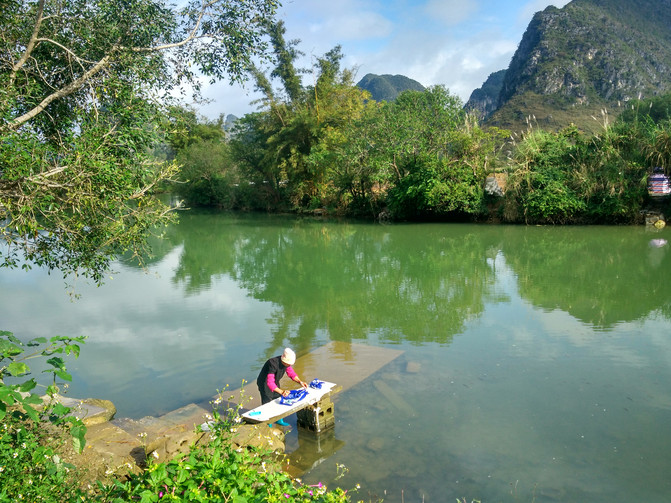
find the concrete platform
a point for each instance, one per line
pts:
(125, 441)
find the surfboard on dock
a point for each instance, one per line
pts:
(275, 410)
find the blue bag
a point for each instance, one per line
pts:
(295, 395)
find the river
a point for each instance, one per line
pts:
(536, 361)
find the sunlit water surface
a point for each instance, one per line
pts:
(536, 361)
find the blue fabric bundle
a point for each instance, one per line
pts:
(295, 395)
(316, 384)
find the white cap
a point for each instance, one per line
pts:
(288, 357)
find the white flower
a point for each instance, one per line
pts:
(15, 455)
(23, 445)
(155, 454)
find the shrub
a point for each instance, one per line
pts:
(217, 471)
(30, 469)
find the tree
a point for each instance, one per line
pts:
(432, 158)
(83, 84)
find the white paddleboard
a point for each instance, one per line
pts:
(275, 410)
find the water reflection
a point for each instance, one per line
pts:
(312, 450)
(419, 283)
(599, 275)
(416, 283)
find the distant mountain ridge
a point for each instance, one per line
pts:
(388, 87)
(576, 61)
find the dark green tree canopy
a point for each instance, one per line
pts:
(83, 84)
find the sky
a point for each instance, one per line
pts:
(455, 43)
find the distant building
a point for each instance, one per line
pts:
(658, 184)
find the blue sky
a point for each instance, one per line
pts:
(457, 43)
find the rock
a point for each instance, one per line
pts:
(375, 444)
(259, 435)
(495, 185)
(90, 410)
(98, 411)
(413, 367)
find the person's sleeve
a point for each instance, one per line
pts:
(270, 381)
(291, 373)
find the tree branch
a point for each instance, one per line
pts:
(30, 46)
(61, 93)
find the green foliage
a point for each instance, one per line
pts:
(84, 86)
(437, 187)
(541, 184)
(658, 149)
(217, 471)
(30, 468)
(657, 110)
(335, 148)
(570, 177)
(183, 127)
(282, 147)
(207, 177)
(16, 394)
(434, 157)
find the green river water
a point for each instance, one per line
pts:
(536, 361)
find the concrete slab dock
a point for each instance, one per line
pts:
(123, 441)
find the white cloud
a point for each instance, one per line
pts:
(450, 12)
(357, 26)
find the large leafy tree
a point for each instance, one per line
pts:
(82, 85)
(430, 157)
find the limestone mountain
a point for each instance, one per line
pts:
(581, 62)
(485, 100)
(387, 87)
